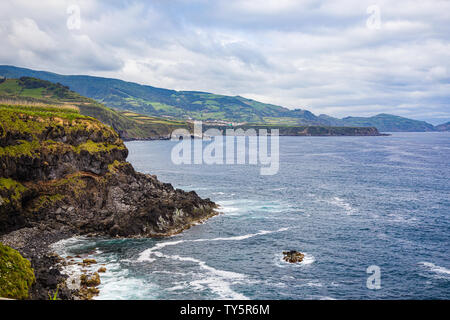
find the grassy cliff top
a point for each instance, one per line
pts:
(30, 121)
(43, 98)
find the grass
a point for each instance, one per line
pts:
(42, 99)
(94, 147)
(24, 148)
(13, 188)
(21, 103)
(16, 274)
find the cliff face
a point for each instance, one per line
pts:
(69, 171)
(307, 130)
(65, 174)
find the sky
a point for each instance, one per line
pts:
(341, 58)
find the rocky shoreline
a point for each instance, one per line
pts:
(64, 175)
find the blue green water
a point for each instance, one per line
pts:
(346, 202)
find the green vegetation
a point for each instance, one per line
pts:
(44, 201)
(147, 100)
(11, 191)
(54, 297)
(177, 105)
(389, 123)
(35, 97)
(16, 274)
(296, 130)
(94, 147)
(24, 148)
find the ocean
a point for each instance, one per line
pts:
(347, 203)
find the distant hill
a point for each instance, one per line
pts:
(27, 92)
(157, 102)
(33, 91)
(443, 127)
(389, 123)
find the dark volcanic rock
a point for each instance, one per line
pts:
(61, 177)
(293, 256)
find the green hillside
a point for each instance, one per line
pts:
(389, 123)
(182, 105)
(32, 91)
(159, 102)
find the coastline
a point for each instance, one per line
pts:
(37, 245)
(63, 175)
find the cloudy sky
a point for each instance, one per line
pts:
(347, 57)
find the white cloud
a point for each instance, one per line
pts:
(313, 54)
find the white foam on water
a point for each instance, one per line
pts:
(438, 270)
(218, 281)
(243, 237)
(178, 287)
(342, 204)
(146, 255)
(229, 210)
(308, 259)
(326, 298)
(314, 284)
(117, 287)
(401, 218)
(244, 206)
(61, 246)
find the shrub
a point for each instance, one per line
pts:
(16, 274)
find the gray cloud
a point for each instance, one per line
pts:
(313, 54)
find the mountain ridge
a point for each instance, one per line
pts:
(198, 105)
(443, 126)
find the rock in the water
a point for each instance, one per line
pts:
(293, 256)
(101, 270)
(90, 281)
(89, 261)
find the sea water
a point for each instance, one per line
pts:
(347, 203)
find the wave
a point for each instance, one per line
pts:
(218, 281)
(308, 259)
(122, 287)
(253, 208)
(342, 204)
(146, 254)
(438, 270)
(61, 246)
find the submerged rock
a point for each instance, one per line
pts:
(293, 256)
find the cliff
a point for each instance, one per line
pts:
(65, 174)
(295, 130)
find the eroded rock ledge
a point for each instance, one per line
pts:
(63, 174)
